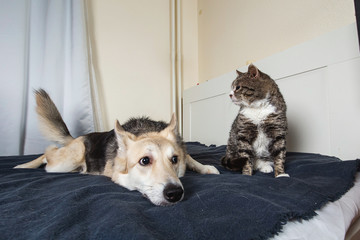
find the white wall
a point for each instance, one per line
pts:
(233, 32)
(189, 31)
(131, 46)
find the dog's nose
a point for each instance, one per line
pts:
(173, 193)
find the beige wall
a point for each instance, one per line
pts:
(131, 47)
(189, 32)
(131, 44)
(232, 32)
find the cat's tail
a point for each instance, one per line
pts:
(52, 125)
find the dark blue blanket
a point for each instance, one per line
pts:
(39, 205)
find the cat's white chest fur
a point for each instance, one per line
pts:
(258, 111)
(261, 148)
(261, 145)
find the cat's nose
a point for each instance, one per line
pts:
(230, 95)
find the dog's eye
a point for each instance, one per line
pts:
(174, 159)
(144, 161)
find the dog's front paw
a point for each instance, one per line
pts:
(20, 166)
(208, 169)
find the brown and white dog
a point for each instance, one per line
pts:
(144, 155)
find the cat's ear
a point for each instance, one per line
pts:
(253, 71)
(239, 73)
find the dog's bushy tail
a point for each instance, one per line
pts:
(52, 125)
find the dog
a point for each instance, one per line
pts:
(142, 154)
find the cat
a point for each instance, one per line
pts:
(257, 139)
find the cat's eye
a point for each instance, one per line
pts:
(237, 88)
(144, 161)
(174, 159)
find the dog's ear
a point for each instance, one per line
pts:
(124, 139)
(173, 123)
(170, 131)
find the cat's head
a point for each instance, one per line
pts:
(251, 88)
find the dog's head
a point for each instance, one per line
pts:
(151, 163)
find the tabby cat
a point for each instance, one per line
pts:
(257, 136)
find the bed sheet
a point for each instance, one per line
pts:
(332, 221)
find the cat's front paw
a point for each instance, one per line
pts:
(283, 175)
(266, 169)
(264, 166)
(208, 169)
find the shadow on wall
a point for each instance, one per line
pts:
(292, 140)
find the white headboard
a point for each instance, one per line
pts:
(320, 81)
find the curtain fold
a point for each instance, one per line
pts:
(54, 56)
(357, 15)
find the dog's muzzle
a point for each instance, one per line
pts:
(173, 193)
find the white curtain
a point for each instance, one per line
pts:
(43, 44)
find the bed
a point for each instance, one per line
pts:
(320, 200)
(40, 205)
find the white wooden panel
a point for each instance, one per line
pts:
(307, 111)
(211, 119)
(344, 104)
(206, 107)
(214, 87)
